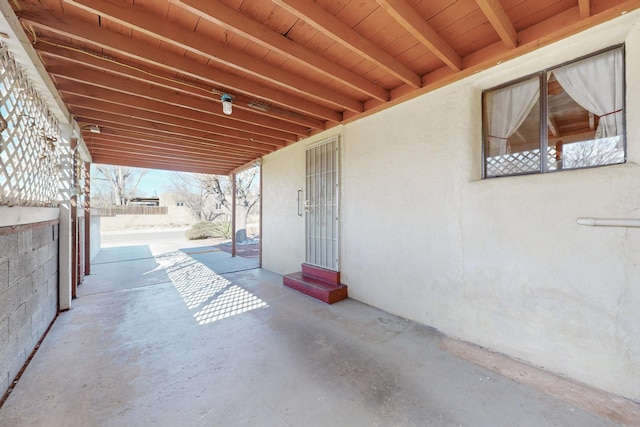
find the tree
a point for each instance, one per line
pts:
(122, 183)
(204, 193)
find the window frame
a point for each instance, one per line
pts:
(542, 77)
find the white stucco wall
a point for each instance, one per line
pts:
(500, 262)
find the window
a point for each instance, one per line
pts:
(582, 104)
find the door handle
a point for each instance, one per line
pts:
(298, 201)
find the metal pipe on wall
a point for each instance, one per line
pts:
(609, 222)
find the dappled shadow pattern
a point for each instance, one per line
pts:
(202, 289)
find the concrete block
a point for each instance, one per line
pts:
(17, 269)
(26, 342)
(38, 278)
(41, 237)
(4, 333)
(25, 243)
(32, 303)
(4, 274)
(8, 246)
(8, 302)
(38, 324)
(25, 288)
(18, 318)
(51, 267)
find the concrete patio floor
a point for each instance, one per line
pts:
(194, 338)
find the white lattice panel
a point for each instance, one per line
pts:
(29, 153)
(520, 162)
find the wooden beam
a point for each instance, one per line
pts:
(57, 53)
(172, 33)
(553, 128)
(498, 18)
(166, 119)
(166, 100)
(406, 15)
(128, 48)
(585, 8)
(78, 96)
(107, 158)
(200, 150)
(332, 27)
(228, 18)
(84, 114)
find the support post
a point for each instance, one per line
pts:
(65, 236)
(87, 220)
(233, 215)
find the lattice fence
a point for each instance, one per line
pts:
(520, 162)
(29, 145)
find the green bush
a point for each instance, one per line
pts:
(206, 230)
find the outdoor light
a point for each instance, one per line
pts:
(94, 129)
(226, 103)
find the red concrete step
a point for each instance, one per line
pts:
(318, 289)
(324, 274)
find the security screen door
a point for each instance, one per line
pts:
(321, 206)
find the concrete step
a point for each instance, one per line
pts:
(316, 288)
(326, 275)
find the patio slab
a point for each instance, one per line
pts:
(195, 347)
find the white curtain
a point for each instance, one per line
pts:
(596, 84)
(506, 109)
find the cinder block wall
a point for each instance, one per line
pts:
(28, 292)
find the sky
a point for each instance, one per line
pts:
(153, 183)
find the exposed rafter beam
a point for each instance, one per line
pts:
(73, 28)
(421, 30)
(201, 150)
(228, 18)
(178, 122)
(331, 26)
(498, 18)
(100, 117)
(164, 79)
(172, 33)
(251, 122)
(585, 8)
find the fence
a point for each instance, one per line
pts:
(130, 210)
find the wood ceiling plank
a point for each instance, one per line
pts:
(167, 81)
(110, 158)
(169, 119)
(231, 20)
(169, 99)
(498, 18)
(92, 116)
(149, 138)
(342, 33)
(117, 147)
(194, 149)
(171, 33)
(127, 48)
(421, 30)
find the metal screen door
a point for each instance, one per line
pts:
(321, 206)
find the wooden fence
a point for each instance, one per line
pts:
(130, 210)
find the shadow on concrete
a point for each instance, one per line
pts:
(127, 267)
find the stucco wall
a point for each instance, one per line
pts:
(500, 262)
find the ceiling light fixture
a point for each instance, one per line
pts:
(226, 103)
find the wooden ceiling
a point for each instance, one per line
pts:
(150, 73)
